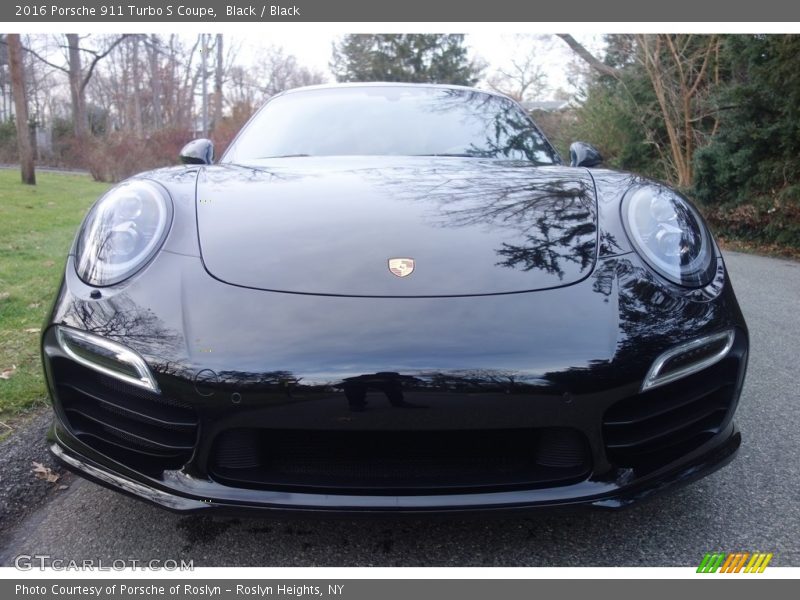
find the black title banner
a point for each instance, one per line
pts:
(443, 11)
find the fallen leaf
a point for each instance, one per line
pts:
(8, 372)
(34, 305)
(4, 295)
(63, 487)
(45, 473)
(49, 263)
(32, 330)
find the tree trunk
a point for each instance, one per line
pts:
(204, 75)
(137, 96)
(218, 82)
(21, 108)
(155, 79)
(80, 121)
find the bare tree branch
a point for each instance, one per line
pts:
(40, 57)
(587, 56)
(98, 57)
(678, 69)
(712, 44)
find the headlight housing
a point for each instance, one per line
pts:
(669, 235)
(122, 232)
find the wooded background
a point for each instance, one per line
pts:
(713, 115)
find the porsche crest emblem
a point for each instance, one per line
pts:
(402, 267)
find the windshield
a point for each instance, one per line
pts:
(391, 120)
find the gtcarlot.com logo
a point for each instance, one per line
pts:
(28, 562)
(736, 562)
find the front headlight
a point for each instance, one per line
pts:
(122, 232)
(669, 235)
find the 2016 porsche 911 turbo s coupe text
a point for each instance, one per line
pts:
(393, 297)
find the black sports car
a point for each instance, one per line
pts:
(392, 297)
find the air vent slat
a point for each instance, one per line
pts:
(129, 431)
(650, 408)
(169, 421)
(648, 435)
(117, 442)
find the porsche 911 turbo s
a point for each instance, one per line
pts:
(393, 298)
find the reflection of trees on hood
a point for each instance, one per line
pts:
(555, 214)
(254, 379)
(488, 380)
(564, 235)
(229, 172)
(269, 388)
(648, 312)
(650, 316)
(121, 319)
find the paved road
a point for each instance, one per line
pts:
(45, 169)
(753, 504)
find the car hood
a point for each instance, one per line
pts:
(331, 225)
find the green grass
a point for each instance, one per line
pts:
(37, 226)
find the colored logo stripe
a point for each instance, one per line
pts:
(711, 562)
(758, 563)
(734, 562)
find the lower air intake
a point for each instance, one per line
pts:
(398, 462)
(123, 421)
(650, 429)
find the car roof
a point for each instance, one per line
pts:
(443, 86)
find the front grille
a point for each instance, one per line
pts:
(389, 462)
(650, 429)
(125, 422)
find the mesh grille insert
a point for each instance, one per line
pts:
(397, 461)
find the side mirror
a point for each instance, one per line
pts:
(198, 152)
(582, 154)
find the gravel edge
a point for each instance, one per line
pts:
(21, 492)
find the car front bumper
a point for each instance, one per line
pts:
(178, 492)
(282, 402)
